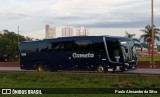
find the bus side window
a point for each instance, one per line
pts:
(54, 46)
(90, 46)
(83, 45)
(116, 52)
(99, 46)
(69, 46)
(42, 47)
(58, 47)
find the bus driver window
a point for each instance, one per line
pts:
(116, 54)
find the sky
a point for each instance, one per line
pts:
(102, 17)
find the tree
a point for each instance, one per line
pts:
(9, 45)
(147, 36)
(130, 35)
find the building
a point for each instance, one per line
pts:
(67, 31)
(82, 31)
(50, 32)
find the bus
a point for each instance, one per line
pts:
(79, 53)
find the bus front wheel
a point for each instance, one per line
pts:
(122, 69)
(101, 69)
(41, 68)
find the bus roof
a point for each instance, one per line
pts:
(83, 37)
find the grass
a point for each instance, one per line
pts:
(75, 80)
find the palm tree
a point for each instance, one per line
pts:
(130, 35)
(147, 36)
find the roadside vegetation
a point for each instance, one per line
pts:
(9, 45)
(148, 58)
(147, 36)
(76, 80)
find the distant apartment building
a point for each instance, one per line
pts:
(82, 31)
(50, 32)
(67, 31)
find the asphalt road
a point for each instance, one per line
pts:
(144, 71)
(10, 69)
(136, 71)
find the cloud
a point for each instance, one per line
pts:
(32, 15)
(80, 7)
(114, 12)
(122, 24)
(12, 16)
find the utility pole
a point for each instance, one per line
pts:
(18, 36)
(152, 8)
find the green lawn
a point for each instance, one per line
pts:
(76, 80)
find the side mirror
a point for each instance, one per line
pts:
(137, 44)
(125, 48)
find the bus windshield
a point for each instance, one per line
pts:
(128, 49)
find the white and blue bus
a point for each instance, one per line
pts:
(83, 53)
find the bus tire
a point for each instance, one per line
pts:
(122, 69)
(40, 68)
(101, 68)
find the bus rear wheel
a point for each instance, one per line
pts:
(101, 69)
(41, 68)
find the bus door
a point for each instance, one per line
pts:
(115, 54)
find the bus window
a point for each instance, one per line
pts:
(83, 45)
(98, 46)
(54, 46)
(69, 46)
(114, 53)
(62, 46)
(57, 47)
(90, 46)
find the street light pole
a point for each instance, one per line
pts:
(152, 7)
(18, 47)
(18, 36)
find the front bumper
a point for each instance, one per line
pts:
(131, 65)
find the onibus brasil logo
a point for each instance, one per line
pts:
(21, 91)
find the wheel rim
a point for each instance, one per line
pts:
(100, 69)
(40, 68)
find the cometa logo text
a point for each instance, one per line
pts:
(88, 55)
